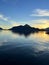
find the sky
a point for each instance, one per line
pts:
(21, 12)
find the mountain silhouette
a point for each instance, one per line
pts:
(26, 29)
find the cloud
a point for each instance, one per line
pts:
(8, 21)
(14, 23)
(40, 23)
(2, 17)
(40, 12)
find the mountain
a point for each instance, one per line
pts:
(26, 29)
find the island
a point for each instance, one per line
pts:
(26, 29)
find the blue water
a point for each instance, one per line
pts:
(16, 49)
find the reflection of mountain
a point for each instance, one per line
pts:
(26, 29)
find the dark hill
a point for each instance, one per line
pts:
(24, 29)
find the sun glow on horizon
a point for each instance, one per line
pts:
(42, 24)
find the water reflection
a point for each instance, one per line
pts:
(15, 48)
(22, 33)
(37, 40)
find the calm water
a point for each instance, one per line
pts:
(24, 50)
